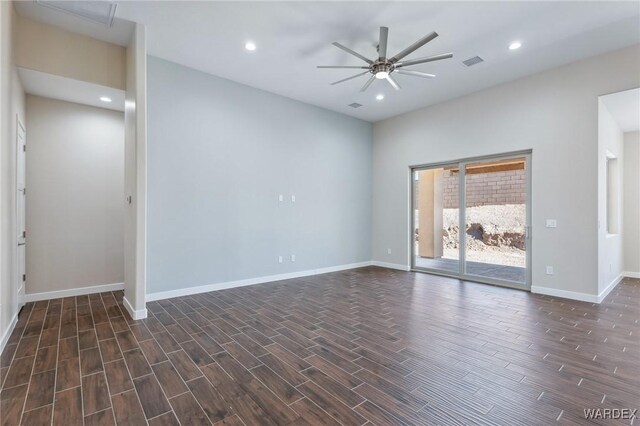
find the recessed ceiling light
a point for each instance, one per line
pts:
(250, 46)
(105, 99)
(515, 45)
(380, 97)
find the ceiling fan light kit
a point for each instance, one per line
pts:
(383, 68)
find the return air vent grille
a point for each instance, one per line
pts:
(100, 12)
(355, 105)
(473, 61)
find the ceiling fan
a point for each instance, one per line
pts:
(383, 67)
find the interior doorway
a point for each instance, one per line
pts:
(471, 219)
(21, 194)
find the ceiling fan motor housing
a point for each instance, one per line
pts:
(382, 66)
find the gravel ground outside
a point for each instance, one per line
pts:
(495, 234)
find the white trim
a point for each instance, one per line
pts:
(250, 281)
(610, 287)
(583, 297)
(629, 274)
(391, 265)
(136, 315)
(34, 297)
(8, 331)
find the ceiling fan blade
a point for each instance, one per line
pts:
(343, 66)
(368, 83)
(423, 60)
(354, 53)
(392, 82)
(416, 73)
(415, 46)
(382, 44)
(349, 78)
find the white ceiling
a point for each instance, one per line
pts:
(294, 37)
(70, 90)
(625, 109)
(119, 33)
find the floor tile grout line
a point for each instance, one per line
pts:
(26, 397)
(104, 372)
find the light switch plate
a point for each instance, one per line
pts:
(549, 270)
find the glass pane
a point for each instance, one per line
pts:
(436, 219)
(495, 222)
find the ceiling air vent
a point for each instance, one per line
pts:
(473, 61)
(355, 105)
(100, 12)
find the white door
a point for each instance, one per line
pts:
(21, 148)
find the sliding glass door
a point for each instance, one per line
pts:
(471, 219)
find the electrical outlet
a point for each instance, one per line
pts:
(549, 270)
(280, 259)
(293, 198)
(552, 223)
(293, 257)
(388, 251)
(280, 197)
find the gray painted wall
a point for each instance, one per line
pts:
(220, 153)
(631, 200)
(554, 113)
(75, 198)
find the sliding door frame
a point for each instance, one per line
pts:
(461, 164)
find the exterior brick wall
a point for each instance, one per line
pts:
(486, 188)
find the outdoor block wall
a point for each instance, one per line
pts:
(508, 187)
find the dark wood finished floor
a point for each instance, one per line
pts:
(367, 346)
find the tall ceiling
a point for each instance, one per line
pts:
(292, 38)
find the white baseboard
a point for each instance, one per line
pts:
(250, 281)
(604, 293)
(34, 297)
(135, 314)
(391, 265)
(8, 331)
(565, 294)
(629, 274)
(583, 297)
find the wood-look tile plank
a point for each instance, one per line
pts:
(68, 374)
(151, 396)
(118, 377)
(167, 419)
(90, 361)
(313, 414)
(127, 409)
(12, 403)
(19, 372)
(41, 390)
(39, 417)
(169, 379)
(152, 351)
(68, 407)
(188, 411)
(209, 399)
(101, 418)
(276, 384)
(184, 365)
(95, 394)
(330, 404)
(137, 363)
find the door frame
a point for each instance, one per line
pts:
(461, 274)
(20, 284)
